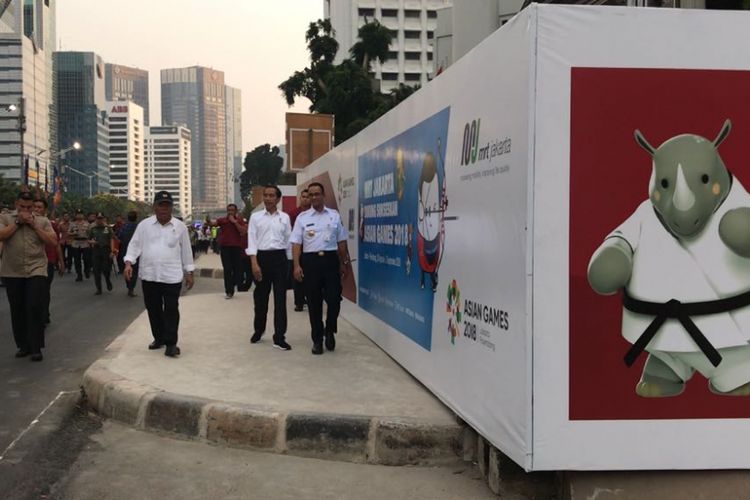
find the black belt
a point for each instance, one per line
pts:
(322, 253)
(272, 250)
(674, 309)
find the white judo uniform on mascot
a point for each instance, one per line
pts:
(683, 262)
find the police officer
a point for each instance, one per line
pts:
(102, 251)
(79, 243)
(320, 258)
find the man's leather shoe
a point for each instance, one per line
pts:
(155, 345)
(98, 292)
(172, 351)
(37, 356)
(256, 337)
(21, 353)
(330, 342)
(109, 286)
(299, 308)
(131, 293)
(317, 348)
(79, 278)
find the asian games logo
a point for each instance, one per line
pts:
(453, 309)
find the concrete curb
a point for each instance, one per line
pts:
(348, 438)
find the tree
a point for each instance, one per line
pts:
(8, 192)
(344, 90)
(262, 166)
(374, 43)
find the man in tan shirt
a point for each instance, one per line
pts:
(79, 244)
(24, 272)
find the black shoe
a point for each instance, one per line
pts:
(330, 341)
(256, 337)
(299, 308)
(79, 278)
(281, 344)
(98, 292)
(131, 293)
(155, 345)
(172, 351)
(88, 275)
(317, 348)
(21, 353)
(37, 356)
(109, 286)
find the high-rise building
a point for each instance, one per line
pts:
(168, 165)
(194, 97)
(81, 117)
(234, 144)
(123, 83)
(412, 24)
(27, 118)
(126, 150)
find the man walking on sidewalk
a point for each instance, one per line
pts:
(24, 272)
(267, 246)
(320, 258)
(163, 245)
(232, 234)
(298, 286)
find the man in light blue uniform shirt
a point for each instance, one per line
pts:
(320, 257)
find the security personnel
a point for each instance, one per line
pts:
(102, 251)
(320, 259)
(79, 243)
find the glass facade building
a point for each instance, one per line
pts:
(123, 83)
(194, 97)
(82, 118)
(234, 144)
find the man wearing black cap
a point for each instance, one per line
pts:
(163, 245)
(102, 251)
(24, 271)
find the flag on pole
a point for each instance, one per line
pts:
(36, 164)
(26, 170)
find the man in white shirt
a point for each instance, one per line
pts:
(163, 245)
(320, 258)
(268, 248)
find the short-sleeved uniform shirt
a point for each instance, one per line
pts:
(23, 254)
(318, 231)
(102, 236)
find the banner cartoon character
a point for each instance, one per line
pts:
(432, 204)
(683, 262)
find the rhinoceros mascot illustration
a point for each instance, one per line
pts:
(682, 260)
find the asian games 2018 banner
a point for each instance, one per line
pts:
(401, 227)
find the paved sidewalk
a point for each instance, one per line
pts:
(353, 404)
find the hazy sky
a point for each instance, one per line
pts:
(257, 43)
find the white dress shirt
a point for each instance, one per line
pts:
(268, 231)
(164, 250)
(318, 231)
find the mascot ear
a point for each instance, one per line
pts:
(723, 133)
(642, 142)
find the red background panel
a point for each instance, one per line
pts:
(609, 176)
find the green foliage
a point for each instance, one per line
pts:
(110, 205)
(262, 166)
(374, 42)
(344, 90)
(8, 192)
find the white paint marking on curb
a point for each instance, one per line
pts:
(33, 423)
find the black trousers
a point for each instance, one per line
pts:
(51, 268)
(274, 267)
(87, 261)
(322, 282)
(298, 287)
(78, 256)
(102, 266)
(26, 297)
(134, 279)
(68, 256)
(162, 301)
(232, 260)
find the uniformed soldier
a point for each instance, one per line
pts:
(79, 243)
(102, 251)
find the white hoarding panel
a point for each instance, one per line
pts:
(441, 204)
(655, 217)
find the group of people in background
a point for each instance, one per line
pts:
(305, 250)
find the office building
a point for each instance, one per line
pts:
(412, 24)
(194, 97)
(168, 165)
(126, 150)
(81, 117)
(123, 83)
(234, 144)
(27, 118)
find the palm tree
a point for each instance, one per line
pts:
(374, 43)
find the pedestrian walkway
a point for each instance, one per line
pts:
(354, 404)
